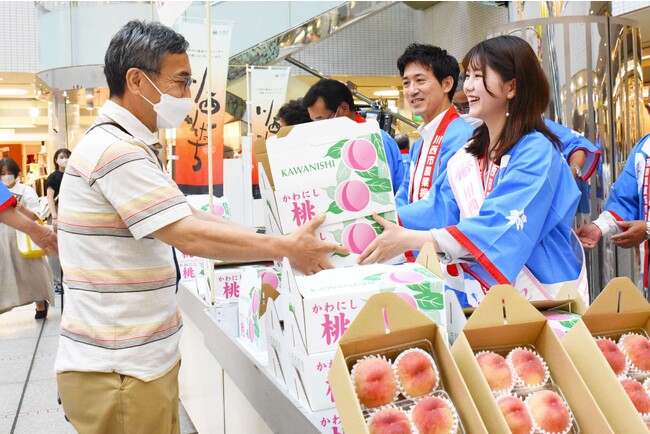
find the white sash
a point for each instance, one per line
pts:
(466, 181)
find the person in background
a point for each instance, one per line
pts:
(22, 281)
(330, 99)
(625, 217)
(120, 214)
(293, 113)
(404, 145)
(429, 76)
(514, 194)
(52, 187)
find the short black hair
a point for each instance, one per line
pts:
(293, 113)
(59, 152)
(333, 93)
(10, 165)
(441, 64)
(139, 45)
(402, 141)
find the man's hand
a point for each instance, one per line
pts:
(634, 233)
(45, 238)
(307, 252)
(589, 235)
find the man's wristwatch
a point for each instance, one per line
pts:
(578, 170)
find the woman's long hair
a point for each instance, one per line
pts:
(511, 58)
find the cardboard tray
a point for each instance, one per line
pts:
(620, 307)
(368, 332)
(504, 318)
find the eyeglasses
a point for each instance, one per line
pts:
(187, 80)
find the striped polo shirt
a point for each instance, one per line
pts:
(120, 310)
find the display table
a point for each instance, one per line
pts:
(222, 386)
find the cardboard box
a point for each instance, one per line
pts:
(620, 307)
(258, 284)
(370, 332)
(326, 303)
(562, 313)
(336, 167)
(303, 374)
(327, 421)
(220, 205)
(505, 318)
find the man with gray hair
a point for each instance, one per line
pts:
(119, 214)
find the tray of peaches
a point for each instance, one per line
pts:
(628, 354)
(400, 391)
(525, 393)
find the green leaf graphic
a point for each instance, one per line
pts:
(379, 185)
(378, 228)
(337, 235)
(374, 277)
(429, 301)
(341, 255)
(373, 173)
(334, 208)
(335, 151)
(343, 173)
(331, 192)
(568, 323)
(380, 198)
(379, 146)
(422, 287)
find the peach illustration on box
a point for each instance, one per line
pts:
(357, 237)
(359, 154)
(352, 196)
(367, 160)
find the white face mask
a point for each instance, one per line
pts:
(8, 179)
(171, 110)
(62, 162)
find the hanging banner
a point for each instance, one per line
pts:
(170, 11)
(191, 168)
(268, 92)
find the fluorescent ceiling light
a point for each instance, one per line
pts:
(17, 126)
(387, 93)
(13, 92)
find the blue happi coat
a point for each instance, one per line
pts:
(424, 214)
(626, 201)
(525, 221)
(394, 160)
(573, 141)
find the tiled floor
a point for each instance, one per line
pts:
(28, 400)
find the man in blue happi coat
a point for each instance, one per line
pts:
(430, 77)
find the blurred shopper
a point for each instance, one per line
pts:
(293, 113)
(511, 196)
(429, 78)
(52, 187)
(119, 216)
(625, 217)
(330, 99)
(22, 281)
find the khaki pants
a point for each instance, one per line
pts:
(111, 403)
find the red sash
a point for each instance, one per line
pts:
(646, 197)
(432, 157)
(489, 183)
